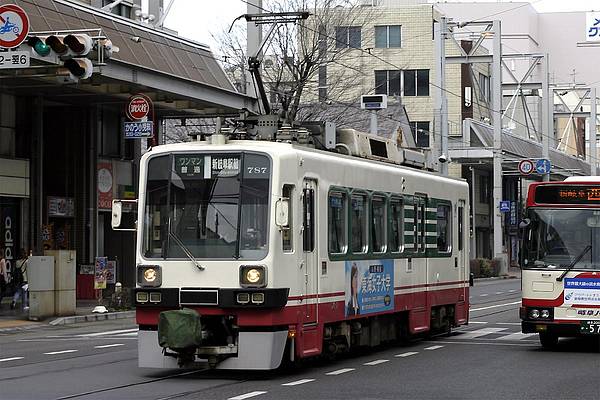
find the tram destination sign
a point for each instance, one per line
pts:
(567, 194)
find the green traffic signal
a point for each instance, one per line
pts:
(39, 46)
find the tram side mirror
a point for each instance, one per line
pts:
(593, 221)
(471, 279)
(117, 214)
(282, 213)
(525, 223)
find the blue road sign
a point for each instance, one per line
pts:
(504, 206)
(543, 166)
(138, 129)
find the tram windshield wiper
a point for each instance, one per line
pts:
(575, 261)
(186, 251)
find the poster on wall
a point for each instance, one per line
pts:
(48, 236)
(61, 207)
(369, 287)
(10, 236)
(100, 272)
(105, 186)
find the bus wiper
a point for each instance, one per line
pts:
(187, 251)
(575, 261)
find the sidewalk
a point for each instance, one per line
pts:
(18, 319)
(513, 273)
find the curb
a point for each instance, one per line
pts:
(75, 319)
(496, 278)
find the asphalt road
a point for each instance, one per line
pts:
(489, 359)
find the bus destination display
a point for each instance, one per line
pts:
(568, 194)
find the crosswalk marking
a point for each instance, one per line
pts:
(340, 371)
(299, 382)
(517, 336)
(11, 359)
(433, 347)
(481, 332)
(407, 354)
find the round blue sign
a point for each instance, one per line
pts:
(543, 166)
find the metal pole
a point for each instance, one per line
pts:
(441, 101)
(593, 134)
(253, 41)
(374, 122)
(497, 163)
(473, 224)
(547, 125)
(39, 176)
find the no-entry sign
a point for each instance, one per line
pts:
(14, 26)
(138, 107)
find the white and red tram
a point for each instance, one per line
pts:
(561, 260)
(289, 252)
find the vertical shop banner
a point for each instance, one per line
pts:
(369, 287)
(111, 272)
(10, 236)
(105, 186)
(100, 273)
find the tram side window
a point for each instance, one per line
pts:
(308, 207)
(396, 236)
(337, 222)
(359, 223)
(378, 224)
(443, 228)
(287, 235)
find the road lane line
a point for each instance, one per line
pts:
(477, 322)
(300, 382)
(340, 371)
(508, 323)
(11, 359)
(512, 291)
(480, 332)
(376, 362)
(109, 332)
(499, 292)
(490, 343)
(247, 395)
(433, 347)
(483, 295)
(105, 346)
(60, 352)
(407, 354)
(496, 306)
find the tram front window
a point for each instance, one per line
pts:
(214, 206)
(555, 238)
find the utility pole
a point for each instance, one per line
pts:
(254, 39)
(547, 117)
(441, 101)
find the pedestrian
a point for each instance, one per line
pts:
(19, 282)
(3, 275)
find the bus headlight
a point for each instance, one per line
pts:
(253, 276)
(534, 313)
(149, 275)
(545, 314)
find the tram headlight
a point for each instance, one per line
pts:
(534, 313)
(149, 275)
(253, 276)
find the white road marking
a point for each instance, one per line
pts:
(60, 352)
(496, 306)
(247, 395)
(483, 295)
(407, 354)
(499, 292)
(11, 359)
(340, 371)
(109, 332)
(300, 382)
(512, 291)
(433, 347)
(128, 334)
(508, 323)
(480, 332)
(489, 343)
(517, 336)
(105, 346)
(477, 322)
(376, 362)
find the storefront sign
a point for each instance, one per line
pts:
(9, 237)
(140, 118)
(138, 129)
(61, 207)
(592, 27)
(105, 186)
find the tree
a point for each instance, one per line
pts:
(296, 64)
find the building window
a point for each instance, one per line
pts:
(421, 133)
(484, 87)
(322, 82)
(416, 82)
(347, 36)
(387, 36)
(443, 228)
(337, 222)
(388, 82)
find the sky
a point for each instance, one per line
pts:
(197, 19)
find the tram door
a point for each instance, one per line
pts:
(309, 249)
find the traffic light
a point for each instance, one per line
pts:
(72, 50)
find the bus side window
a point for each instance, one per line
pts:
(287, 235)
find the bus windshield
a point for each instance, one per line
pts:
(555, 238)
(214, 206)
